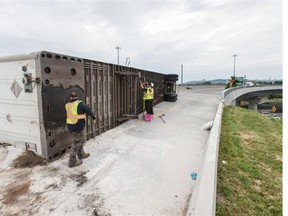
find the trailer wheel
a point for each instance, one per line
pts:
(170, 97)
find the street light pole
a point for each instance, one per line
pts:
(182, 74)
(118, 48)
(234, 63)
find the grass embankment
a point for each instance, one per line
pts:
(250, 164)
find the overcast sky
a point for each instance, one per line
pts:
(156, 35)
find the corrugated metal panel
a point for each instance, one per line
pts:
(98, 92)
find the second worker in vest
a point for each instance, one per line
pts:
(148, 97)
(76, 110)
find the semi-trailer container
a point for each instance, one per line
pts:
(35, 88)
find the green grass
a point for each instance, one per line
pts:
(250, 164)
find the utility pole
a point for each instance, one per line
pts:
(118, 48)
(234, 63)
(182, 74)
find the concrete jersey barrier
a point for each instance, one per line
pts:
(203, 200)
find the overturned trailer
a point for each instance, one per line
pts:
(35, 87)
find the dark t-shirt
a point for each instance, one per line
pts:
(81, 109)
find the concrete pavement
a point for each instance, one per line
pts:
(138, 168)
(143, 168)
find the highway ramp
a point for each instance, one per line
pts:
(138, 168)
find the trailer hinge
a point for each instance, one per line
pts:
(28, 81)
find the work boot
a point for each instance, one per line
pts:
(77, 163)
(73, 161)
(81, 154)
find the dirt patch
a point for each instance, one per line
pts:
(186, 207)
(248, 138)
(29, 159)
(248, 135)
(5, 144)
(98, 212)
(221, 199)
(278, 158)
(79, 178)
(257, 185)
(15, 191)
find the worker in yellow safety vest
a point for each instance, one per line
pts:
(76, 111)
(148, 96)
(232, 82)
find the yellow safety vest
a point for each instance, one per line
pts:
(71, 111)
(149, 94)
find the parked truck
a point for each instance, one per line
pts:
(235, 82)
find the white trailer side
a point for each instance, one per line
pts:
(20, 111)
